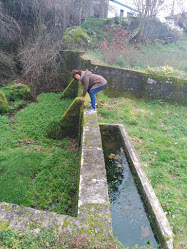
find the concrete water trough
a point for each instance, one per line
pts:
(157, 217)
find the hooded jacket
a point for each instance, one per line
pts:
(91, 81)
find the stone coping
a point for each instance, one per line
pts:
(25, 219)
(151, 202)
(93, 181)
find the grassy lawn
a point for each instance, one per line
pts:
(158, 132)
(36, 171)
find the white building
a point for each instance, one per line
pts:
(119, 9)
(174, 21)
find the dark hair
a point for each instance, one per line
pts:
(75, 71)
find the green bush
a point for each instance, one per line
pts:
(19, 91)
(3, 103)
(75, 37)
(161, 70)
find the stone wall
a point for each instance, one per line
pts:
(129, 83)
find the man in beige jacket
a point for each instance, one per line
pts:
(92, 83)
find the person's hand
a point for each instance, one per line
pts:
(82, 106)
(82, 98)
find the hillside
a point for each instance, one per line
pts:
(126, 45)
(122, 31)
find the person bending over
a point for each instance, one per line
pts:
(92, 83)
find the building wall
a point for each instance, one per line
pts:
(172, 25)
(96, 8)
(115, 9)
(100, 8)
(174, 21)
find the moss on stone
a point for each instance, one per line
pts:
(71, 61)
(34, 226)
(75, 37)
(163, 79)
(71, 90)
(4, 226)
(7, 207)
(68, 125)
(3, 103)
(94, 221)
(19, 91)
(70, 119)
(66, 223)
(55, 130)
(80, 89)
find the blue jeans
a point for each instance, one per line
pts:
(92, 94)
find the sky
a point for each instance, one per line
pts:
(168, 5)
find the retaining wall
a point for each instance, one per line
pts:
(129, 83)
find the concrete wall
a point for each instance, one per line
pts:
(129, 83)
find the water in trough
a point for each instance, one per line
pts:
(130, 222)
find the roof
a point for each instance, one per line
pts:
(124, 5)
(176, 16)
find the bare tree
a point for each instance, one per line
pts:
(42, 24)
(148, 8)
(178, 6)
(9, 28)
(40, 60)
(40, 53)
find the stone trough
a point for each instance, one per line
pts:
(151, 202)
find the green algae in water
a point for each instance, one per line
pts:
(129, 220)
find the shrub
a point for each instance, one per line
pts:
(75, 37)
(41, 61)
(3, 103)
(19, 91)
(161, 70)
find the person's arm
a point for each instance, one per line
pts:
(85, 82)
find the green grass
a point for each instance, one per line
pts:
(48, 239)
(36, 171)
(157, 56)
(158, 132)
(45, 239)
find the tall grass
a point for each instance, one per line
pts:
(141, 57)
